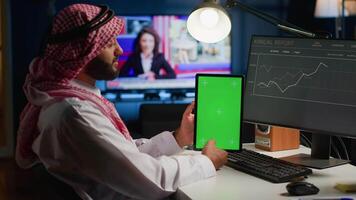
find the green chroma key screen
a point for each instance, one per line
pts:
(218, 110)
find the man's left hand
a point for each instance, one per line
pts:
(185, 133)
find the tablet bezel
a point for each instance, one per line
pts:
(196, 106)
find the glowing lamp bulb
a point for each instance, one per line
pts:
(209, 17)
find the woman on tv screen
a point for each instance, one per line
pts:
(146, 61)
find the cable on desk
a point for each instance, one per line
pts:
(336, 151)
(308, 142)
(344, 147)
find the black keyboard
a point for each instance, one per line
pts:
(266, 167)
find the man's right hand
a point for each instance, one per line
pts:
(217, 156)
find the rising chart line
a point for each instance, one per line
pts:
(296, 83)
(284, 76)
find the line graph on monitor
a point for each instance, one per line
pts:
(283, 90)
(303, 78)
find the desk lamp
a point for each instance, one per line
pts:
(210, 23)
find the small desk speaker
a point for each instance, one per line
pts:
(275, 138)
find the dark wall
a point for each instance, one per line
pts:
(244, 25)
(30, 19)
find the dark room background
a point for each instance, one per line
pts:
(29, 20)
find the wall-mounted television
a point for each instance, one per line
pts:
(185, 55)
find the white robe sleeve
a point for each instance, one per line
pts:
(161, 144)
(84, 142)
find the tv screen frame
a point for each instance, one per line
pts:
(185, 71)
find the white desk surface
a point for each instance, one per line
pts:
(230, 184)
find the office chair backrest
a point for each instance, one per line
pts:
(51, 186)
(155, 118)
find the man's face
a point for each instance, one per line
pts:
(105, 65)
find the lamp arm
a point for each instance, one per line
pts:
(291, 28)
(297, 31)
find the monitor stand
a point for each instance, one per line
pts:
(320, 154)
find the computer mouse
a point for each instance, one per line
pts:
(300, 188)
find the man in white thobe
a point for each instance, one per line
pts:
(71, 129)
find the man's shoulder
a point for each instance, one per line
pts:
(65, 107)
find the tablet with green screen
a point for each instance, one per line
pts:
(218, 110)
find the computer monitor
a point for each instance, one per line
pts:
(185, 55)
(309, 84)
